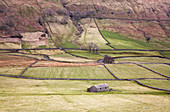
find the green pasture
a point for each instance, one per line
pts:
(119, 41)
(164, 84)
(101, 54)
(143, 59)
(89, 72)
(161, 68)
(130, 71)
(129, 53)
(166, 54)
(70, 96)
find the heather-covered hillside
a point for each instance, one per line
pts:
(65, 22)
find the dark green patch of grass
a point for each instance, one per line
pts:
(25, 45)
(166, 54)
(43, 46)
(119, 41)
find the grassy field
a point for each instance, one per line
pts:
(119, 41)
(63, 35)
(129, 53)
(164, 69)
(144, 59)
(167, 54)
(10, 46)
(91, 34)
(70, 96)
(11, 70)
(131, 71)
(164, 84)
(86, 54)
(69, 58)
(29, 55)
(96, 72)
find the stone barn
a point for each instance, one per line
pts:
(98, 88)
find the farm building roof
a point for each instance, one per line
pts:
(101, 85)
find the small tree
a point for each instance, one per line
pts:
(93, 48)
(90, 45)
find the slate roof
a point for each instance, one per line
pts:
(101, 85)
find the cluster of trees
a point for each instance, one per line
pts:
(79, 14)
(49, 15)
(93, 48)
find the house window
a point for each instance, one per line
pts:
(105, 87)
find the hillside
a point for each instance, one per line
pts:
(52, 51)
(69, 23)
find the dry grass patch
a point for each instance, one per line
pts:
(14, 61)
(71, 96)
(91, 34)
(11, 70)
(10, 46)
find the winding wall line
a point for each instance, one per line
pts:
(23, 77)
(47, 23)
(27, 68)
(130, 19)
(141, 63)
(162, 54)
(80, 79)
(110, 71)
(153, 71)
(108, 43)
(24, 56)
(140, 57)
(87, 49)
(151, 86)
(6, 3)
(48, 58)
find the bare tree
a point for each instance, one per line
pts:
(93, 48)
(90, 45)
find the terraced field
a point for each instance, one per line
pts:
(130, 71)
(161, 68)
(86, 72)
(11, 70)
(157, 83)
(56, 79)
(72, 96)
(144, 59)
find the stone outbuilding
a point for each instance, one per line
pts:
(98, 88)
